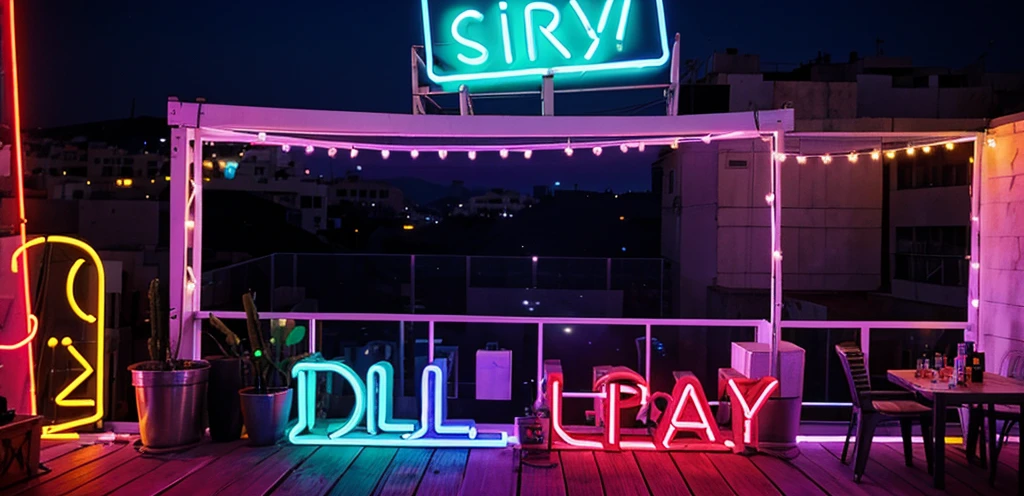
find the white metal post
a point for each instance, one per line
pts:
(672, 93)
(540, 360)
(974, 256)
(647, 353)
(311, 336)
(183, 279)
(417, 99)
(464, 108)
(777, 149)
(547, 95)
(430, 342)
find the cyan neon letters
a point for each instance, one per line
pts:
(374, 405)
(479, 59)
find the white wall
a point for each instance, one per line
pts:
(1001, 319)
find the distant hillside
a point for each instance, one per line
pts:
(424, 192)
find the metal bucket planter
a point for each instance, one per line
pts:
(224, 409)
(170, 403)
(266, 415)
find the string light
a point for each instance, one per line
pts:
(384, 154)
(191, 224)
(852, 157)
(769, 198)
(332, 152)
(568, 151)
(503, 153)
(675, 143)
(443, 154)
(801, 159)
(910, 151)
(262, 136)
(875, 155)
(706, 139)
(353, 153)
(641, 147)
(472, 155)
(309, 149)
(890, 154)
(780, 157)
(926, 149)
(597, 151)
(414, 154)
(777, 255)
(623, 148)
(950, 145)
(975, 265)
(826, 159)
(975, 303)
(991, 142)
(286, 148)
(527, 154)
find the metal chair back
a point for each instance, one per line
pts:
(1013, 365)
(855, 369)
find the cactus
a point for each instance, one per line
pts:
(159, 337)
(265, 360)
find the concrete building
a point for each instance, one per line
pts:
(370, 194)
(495, 202)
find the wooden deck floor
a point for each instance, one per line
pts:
(238, 469)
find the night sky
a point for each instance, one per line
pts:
(86, 61)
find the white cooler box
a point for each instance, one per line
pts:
(779, 421)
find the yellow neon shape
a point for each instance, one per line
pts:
(56, 431)
(61, 399)
(70, 288)
(31, 318)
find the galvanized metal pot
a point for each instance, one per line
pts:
(170, 403)
(266, 415)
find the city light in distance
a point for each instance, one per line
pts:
(567, 330)
(408, 227)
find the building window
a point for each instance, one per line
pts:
(373, 193)
(318, 202)
(938, 168)
(106, 161)
(128, 161)
(342, 193)
(96, 161)
(107, 171)
(353, 193)
(306, 201)
(126, 172)
(259, 171)
(362, 193)
(933, 255)
(384, 193)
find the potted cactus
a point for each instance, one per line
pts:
(227, 377)
(170, 394)
(267, 405)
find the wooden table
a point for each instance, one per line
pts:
(995, 389)
(19, 448)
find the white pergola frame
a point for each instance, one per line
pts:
(192, 123)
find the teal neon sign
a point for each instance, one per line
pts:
(495, 41)
(373, 404)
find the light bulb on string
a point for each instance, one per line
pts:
(826, 159)
(852, 157)
(503, 153)
(623, 148)
(527, 154)
(675, 143)
(597, 151)
(568, 151)
(309, 149)
(353, 153)
(950, 145)
(890, 154)
(384, 154)
(975, 265)
(262, 136)
(926, 149)
(332, 152)
(706, 139)
(910, 151)
(800, 159)
(991, 142)
(641, 147)
(472, 155)
(286, 148)
(780, 157)
(414, 154)
(875, 155)
(442, 154)
(769, 198)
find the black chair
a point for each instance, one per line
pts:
(1012, 366)
(873, 407)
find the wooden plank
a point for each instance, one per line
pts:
(785, 476)
(581, 474)
(700, 474)
(176, 467)
(270, 472)
(959, 469)
(57, 450)
(364, 473)
(444, 474)
(490, 471)
(138, 467)
(827, 472)
(320, 471)
(222, 472)
(1006, 479)
(741, 474)
(79, 476)
(890, 457)
(66, 463)
(661, 473)
(404, 473)
(620, 474)
(880, 468)
(541, 480)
